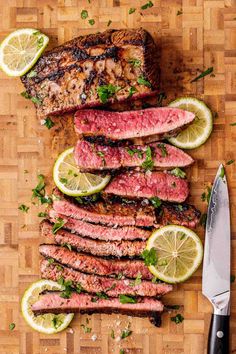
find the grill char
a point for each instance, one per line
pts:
(68, 76)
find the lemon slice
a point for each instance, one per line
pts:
(47, 323)
(199, 130)
(20, 50)
(71, 181)
(179, 253)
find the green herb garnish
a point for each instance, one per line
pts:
(67, 245)
(12, 326)
(84, 14)
(142, 81)
(42, 214)
(203, 220)
(222, 172)
(40, 42)
(50, 260)
(132, 90)
(25, 95)
(56, 321)
(156, 202)
(86, 329)
(147, 5)
(58, 225)
(31, 74)
(204, 73)
(36, 100)
(205, 197)
(177, 319)
(177, 172)
(164, 152)
(67, 288)
(109, 23)
(23, 208)
(112, 334)
(124, 299)
(132, 10)
(230, 162)
(160, 97)
(122, 351)
(63, 180)
(136, 281)
(233, 124)
(107, 91)
(232, 278)
(134, 62)
(148, 163)
(48, 123)
(132, 152)
(149, 257)
(126, 332)
(91, 21)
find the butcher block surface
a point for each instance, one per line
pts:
(193, 35)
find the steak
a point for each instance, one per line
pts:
(95, 247)
(52, 302)
(178, 214)
(147, 185)
(95, 265)
(92, 157)
(101, 212)
(98, 284)
(92, 70)
(153, 123)
(101, 232)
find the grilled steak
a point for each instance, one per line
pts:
(101, 232)
(91, 157)
(95, 247)
(52, 302)
(154, 123)
(178, 214)
(146, 185)
(97, 284)
(94, 69)
(96, 265)
(112, 214)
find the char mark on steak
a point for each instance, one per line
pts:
(96, 265)
(147, 185)
(101, 212)
(101, 284)
(93, 157)
(149, 124)
(100, 232)
(76, 74)
(52, 302)
(94, 247)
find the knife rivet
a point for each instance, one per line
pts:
(220, 334)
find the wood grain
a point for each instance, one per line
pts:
(203, 35)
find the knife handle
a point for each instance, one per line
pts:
(218, 341)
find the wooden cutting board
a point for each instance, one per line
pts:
(193, 35)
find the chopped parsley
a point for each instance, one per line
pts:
(67, 288)
(25, 95)
(112, 334)
(107, 91)
(232, 278)
(132, 152)
(149, 257)
(124, 299)
(100, 153)
(173, 307)
(132, 90)
(36, 100)
(48, 123)
(230, 162)
(12, 326)
(160, 97)
(58, 225)
(86, 329)
(24, 208)
(142, 81)
(177, 172)
(102, 295)
(122, 351)
(40, 42)
(67, 245)
(203, 220)
(156, 202)
(205, 197)
(233, 124)
(109, 23)
(50, 260)
(136, 281)
(126, 332)
(31, 74)
(177, 319)
(84, 14)
(56, 321)
(91, 21)
(164, 152)
(42, 214)
(134, 62)
(148, 163)
(132, 10)
(204, 73)
(179, 12)
(63, 180)
(222, 172)
(147, 5)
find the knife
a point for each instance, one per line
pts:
(216, 264)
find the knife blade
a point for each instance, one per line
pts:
(216, 264)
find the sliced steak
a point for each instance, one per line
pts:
(93, 157)
(100, 232)
(178, 214)
(147, 185)
(94, 69)
(98, 284)
(154, 123)
(95, 247)
(52, 302)
(101, 212)
(96, 265)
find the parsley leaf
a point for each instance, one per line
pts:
(36, 100)
(86, 329)
(164, 152)
(147, 5)
(156, 202)
(232, 278)
(84, 14)
(91, 21)
(136, 281)
(177, 319)
(31, 74)
(112, 334)
(107, 91)
(132, 152)
(132, 10)
(25, 95)
(205, 197)
(149, 257)
(42, 215)
(39, 191)
(56, 321)
(66, 245)
(204, 73)
(142, 81)
(12, 326)
(48, 123)
(23, 208)
(109, 23)
(177, 172)
(126, 332)
(160, 97)
(203, 220)
(58, 225)
(124, 299)
(233, 124)
(222, 172)
(134, 62)
(132, 90)
(148, 163)
(230, 162)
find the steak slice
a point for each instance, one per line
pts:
(147, 185)
(52, 302)
(98, 284)
(95, 247)
(92, 157)
(95, 265)
(94, 69)
(178, 214)
(154, 123)
(101, 212)
(100, 232)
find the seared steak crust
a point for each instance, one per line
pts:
(52, 302)
(178, 214)
(96, 265)
(95, 283)
(69, 76)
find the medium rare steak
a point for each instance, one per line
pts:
(96, 265)
(101, 212)
(92, 70)
(52, 302)
(91, 157)
(95, 247)
(100, 232)
(147, 185)
(154, 123)
(97, 284)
